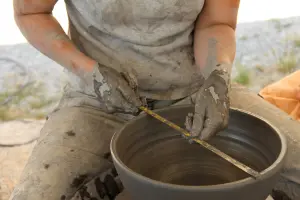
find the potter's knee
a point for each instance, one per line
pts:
(19, 196)
(27, 190)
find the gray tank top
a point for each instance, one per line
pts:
(151, 38)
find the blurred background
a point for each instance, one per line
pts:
(268, 47)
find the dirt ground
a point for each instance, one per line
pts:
(14, 155)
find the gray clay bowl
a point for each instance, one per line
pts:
(155, 163)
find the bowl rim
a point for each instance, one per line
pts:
(268, 172)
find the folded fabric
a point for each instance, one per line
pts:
(285, 94)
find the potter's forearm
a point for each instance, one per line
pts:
(225, 50)
(41, 29)
(217, 21)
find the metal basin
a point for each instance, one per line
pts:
(155, 162)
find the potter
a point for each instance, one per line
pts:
(121, 54)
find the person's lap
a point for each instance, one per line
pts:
(74, 147)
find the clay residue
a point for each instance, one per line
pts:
(71, 133)
(214, 94)
(79, 180)
(46, 166)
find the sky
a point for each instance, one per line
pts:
(250, 10)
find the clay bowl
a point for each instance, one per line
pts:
(155, 162)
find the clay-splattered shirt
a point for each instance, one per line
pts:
(152, 38)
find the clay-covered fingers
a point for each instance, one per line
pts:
(188, 125)
(198, 120)
(204, 123)
(131, 79)
(213, 120)
(117, 91)
(209, 118)
(195, 121)
(211, 127)
(189, 122)
(211, 105)
(129, 94)
(121, 104)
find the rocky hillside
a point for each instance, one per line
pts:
(266, 51)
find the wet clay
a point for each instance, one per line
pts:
(116, 92)
(166, 166)
(212, 102)
(211, 112)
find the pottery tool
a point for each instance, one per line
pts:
(211, 148)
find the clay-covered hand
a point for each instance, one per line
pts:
(211, 105)
(116, 91)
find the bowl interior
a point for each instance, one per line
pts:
(154, 150)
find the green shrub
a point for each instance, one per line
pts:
(277, 24)
(287, 64)
(26, 102)
(243, 75)
(260, 68)
(296, 42)
(244, 38)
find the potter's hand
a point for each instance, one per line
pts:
(116, 91)
(211, 105)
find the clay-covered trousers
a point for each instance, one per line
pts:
(74, 148)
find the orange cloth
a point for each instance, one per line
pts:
(285, 94)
